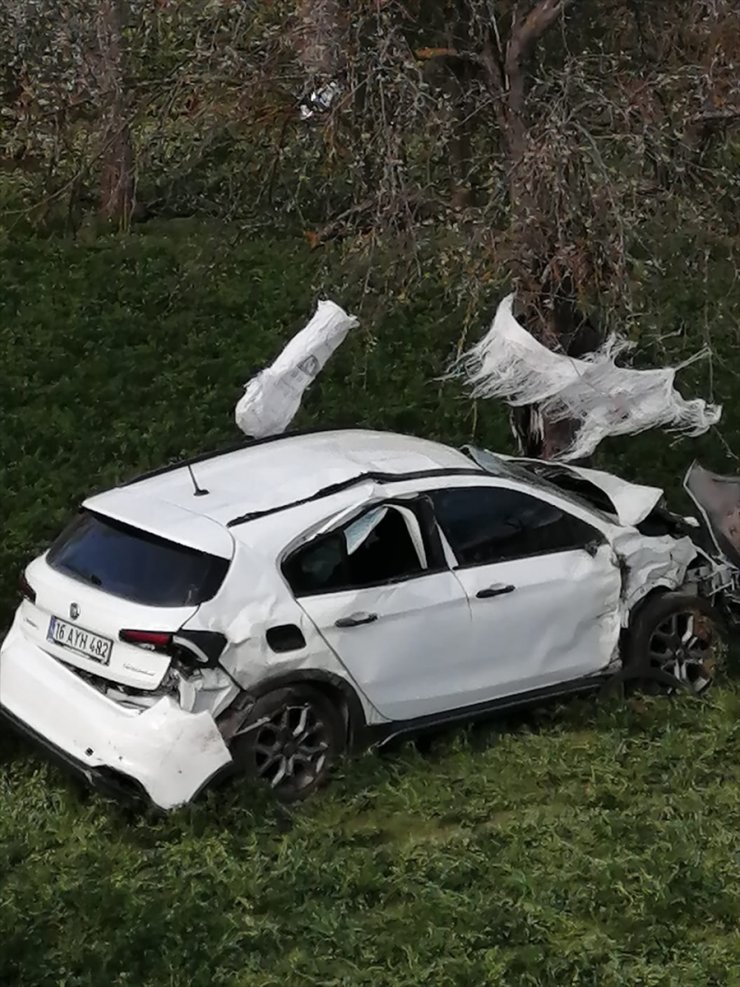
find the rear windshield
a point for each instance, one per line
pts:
(137, 566)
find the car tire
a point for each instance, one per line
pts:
(674, 642)
(290, 741)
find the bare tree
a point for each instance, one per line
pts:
(542, 303)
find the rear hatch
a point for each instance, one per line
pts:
(107, 595)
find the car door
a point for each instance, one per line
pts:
(542, 584)
(381, 594)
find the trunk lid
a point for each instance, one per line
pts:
(103, 577)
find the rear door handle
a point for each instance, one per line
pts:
(486, 594)
(356, 619)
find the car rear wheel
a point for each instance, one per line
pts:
(290, 741)
(676, 642)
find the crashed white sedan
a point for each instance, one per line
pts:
(266, 609)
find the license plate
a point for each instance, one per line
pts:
(78, 639)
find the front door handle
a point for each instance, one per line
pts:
(499, 590)
(356, 619)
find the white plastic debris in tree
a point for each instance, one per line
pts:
(320, 100)
(272, 398)
(508, 363)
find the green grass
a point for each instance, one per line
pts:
(589, 844)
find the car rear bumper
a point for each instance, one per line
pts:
(104, 780)
(164, 754)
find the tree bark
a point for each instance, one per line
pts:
(525, 34)
(117, 182)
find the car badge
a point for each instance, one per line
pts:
(74, 611)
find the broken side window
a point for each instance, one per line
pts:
(382, 545)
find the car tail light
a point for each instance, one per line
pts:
(151, 640)
(27, 591)
(191, 648)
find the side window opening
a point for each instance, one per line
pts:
(386, 552)
(485, 525)
(382, 545)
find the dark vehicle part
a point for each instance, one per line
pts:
(564, 479)
(290, 740)
(660, 521)
(675, 641)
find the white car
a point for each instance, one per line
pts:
(269, 608)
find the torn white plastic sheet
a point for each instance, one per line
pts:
(508, 363)
(272, 398)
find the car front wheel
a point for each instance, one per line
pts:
(290, 741)
(676, 641)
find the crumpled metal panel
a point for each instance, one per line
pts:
(648, 563)
(253, 599)
(718, 499)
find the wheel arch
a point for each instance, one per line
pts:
(655, 591)
(332, 686)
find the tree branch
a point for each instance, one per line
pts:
(525, 34)
(716, 116)
(527, 31)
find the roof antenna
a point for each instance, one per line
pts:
(199, 491)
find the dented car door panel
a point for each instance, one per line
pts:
(554, 618)
(543, 585)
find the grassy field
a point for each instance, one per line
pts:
(589, 844)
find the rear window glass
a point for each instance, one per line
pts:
(135, 565)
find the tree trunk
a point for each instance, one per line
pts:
(543, 306)
(117, 183)
(318, 39)
(537, 438)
